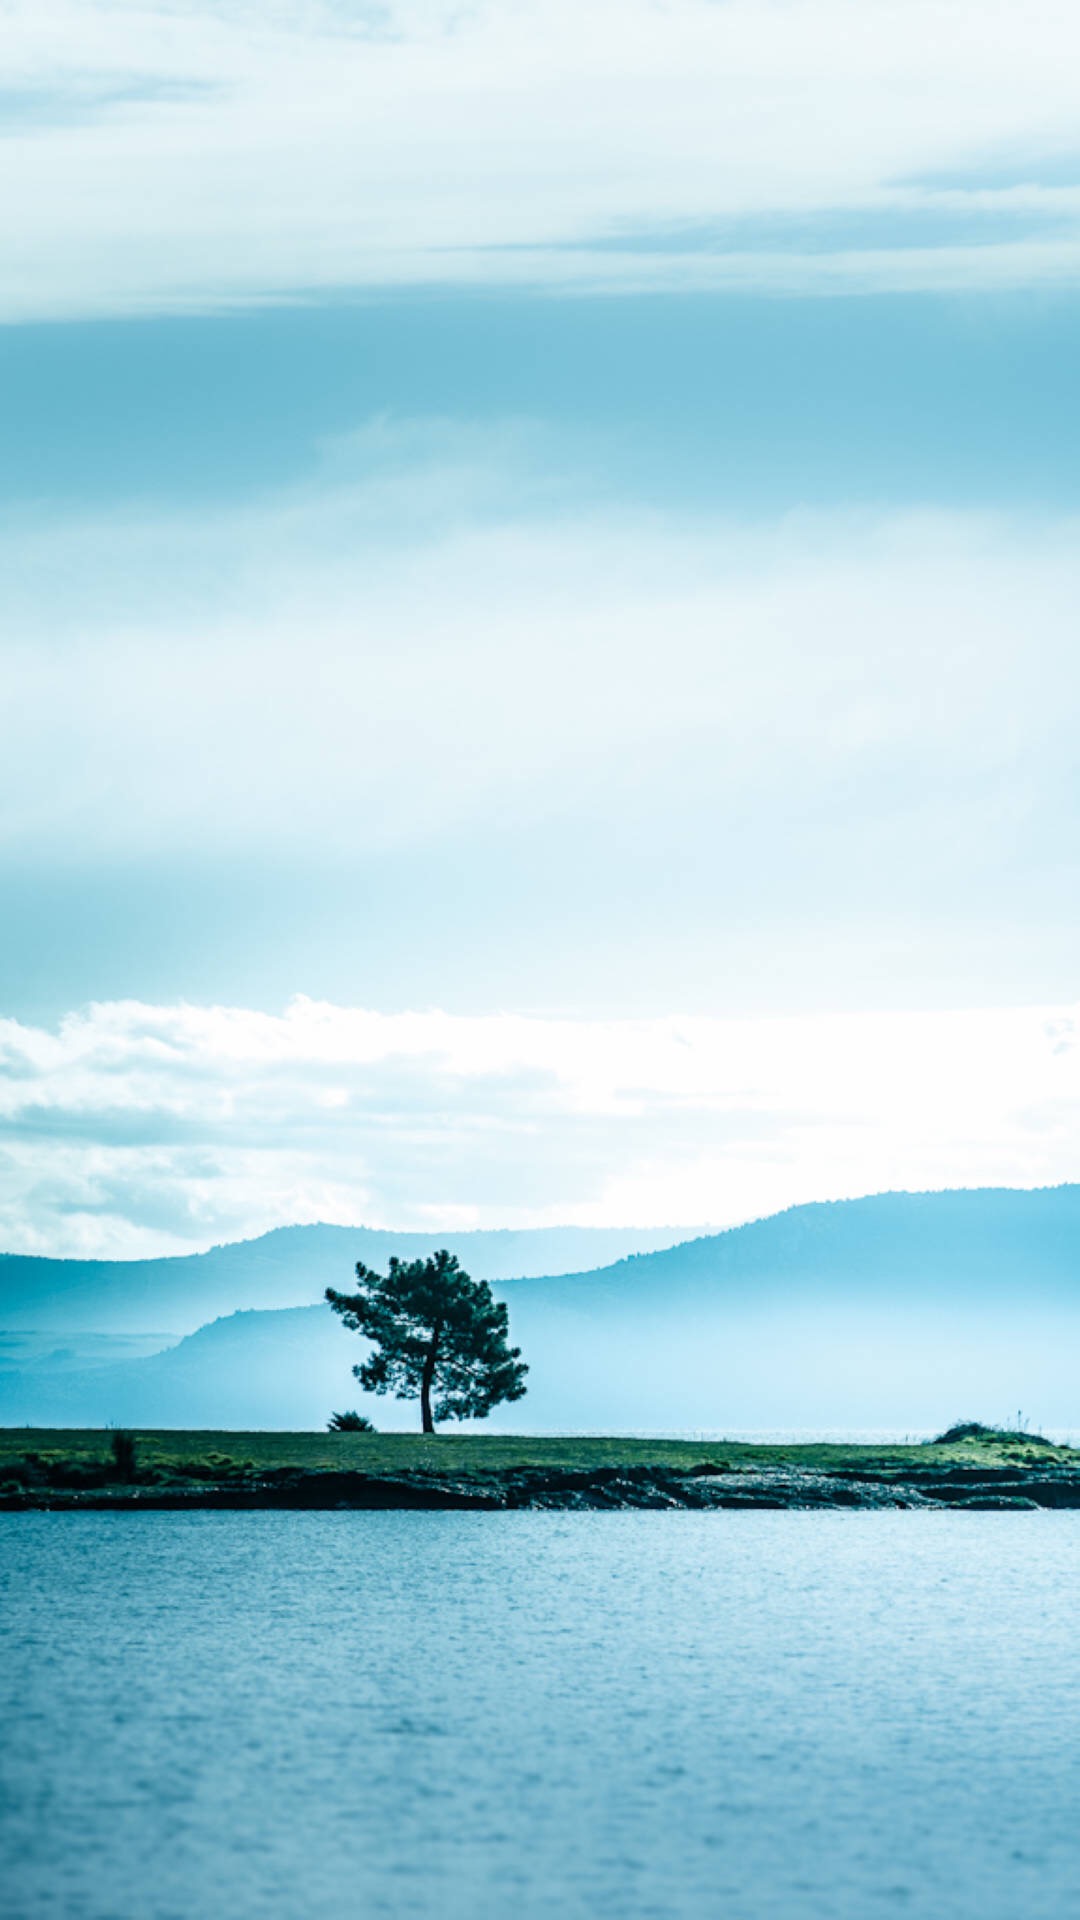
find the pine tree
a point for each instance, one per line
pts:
(438, 1336)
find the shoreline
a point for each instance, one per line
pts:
(704, 1488)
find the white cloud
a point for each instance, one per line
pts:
(164, 156)
(134, 1128)
(882, 701)
(828, 745)
(831, 753)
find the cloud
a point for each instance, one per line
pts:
(447, 723)
(397, 658)
(235, 154)
(132, 1128)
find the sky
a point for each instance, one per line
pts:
(538, 546)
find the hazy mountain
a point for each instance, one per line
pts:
(953, 1246)
(903, 1311)
(897, 1310)
(289, 1267)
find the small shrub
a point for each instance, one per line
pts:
(124, 1455)
(1001, 1436)
(963, 1430)
(349, 1423)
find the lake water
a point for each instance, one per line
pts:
(731, 1715)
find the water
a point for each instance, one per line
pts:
(749, 1715)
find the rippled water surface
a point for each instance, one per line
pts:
(727, 1714)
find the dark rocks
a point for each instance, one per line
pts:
(659, 1488)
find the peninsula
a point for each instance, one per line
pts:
(971, 1467)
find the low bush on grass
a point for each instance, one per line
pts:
(991, 1436)
(124, 1454)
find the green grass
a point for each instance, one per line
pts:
(203, 1454)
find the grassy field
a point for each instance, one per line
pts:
(210, 1453)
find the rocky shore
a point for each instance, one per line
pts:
(933, 1485)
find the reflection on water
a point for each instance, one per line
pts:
(624, 1714)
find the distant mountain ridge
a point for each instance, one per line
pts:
(287, 1267)
(900, 1311)
(981, 1239)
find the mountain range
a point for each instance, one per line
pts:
(288, 1267)
(899, 1311)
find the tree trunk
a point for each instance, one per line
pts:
(426, 1379)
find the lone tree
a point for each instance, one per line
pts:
(436, 1333)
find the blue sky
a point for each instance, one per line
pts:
(527, 513)
(743, 404)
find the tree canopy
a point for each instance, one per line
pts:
(439, 1337)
